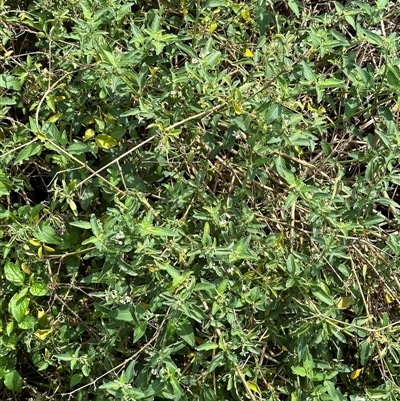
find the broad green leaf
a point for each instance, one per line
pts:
(122, 313)
(139, 331)
(215, 3)
(75, 379)
(104, 141)
(274, 112)
(45, 233)
(187, 49)
(367, 348)
(5, 183)
(130, 372)
(185, 331)
(18, 305)
(13, 381)
(212, 59)
(158, 231)
(78, 148)
(132, 112)
(142, 76)
(320, 291)
(387, 202)
(7, 101)
(30, 150)
(64, 357)
(14, 274)
(109, 57)
(81, 224)
(370, 37)
(218, 360)
(27, 323)
(9, 82)
(299, 371)
(393, 76)
(38, 289)
(94, 225)
(294, 7)
(207, 346)
(291, 199)
(331, 83)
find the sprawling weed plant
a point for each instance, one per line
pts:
(199, 200)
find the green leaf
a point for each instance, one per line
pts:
(78, 148)
(30, 150)
(142, 76)
(393, 76)
(207, 346)
(294, 7)
(9, 82)
(370, 37)
(7, 101)
(367, 348)
(109, 57)
(387, 202)
(274, 112)
(18, 305)
(212, 59)
(158, 231)
(94, 225)
(139, 331)
(45, 233)
(185, 331)
(122, 313)
(299, 371)
(104, 141)
(253, 387)
(14, 274)
(321, 292)
(218, 360)
(331, 83)
(187, 49)
(215, 3)
(13, 381)
(5, 184)
(81, 224)
(132, 112)
(75, 379)
(130, 371)
(38, 289)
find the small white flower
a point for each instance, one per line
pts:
(236, 134)
(244, 287)
(195, 60)
(377, 31)
(119, 235)
(230, 270)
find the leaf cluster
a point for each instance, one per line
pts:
(199, 200)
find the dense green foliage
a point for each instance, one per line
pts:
(198, 200)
